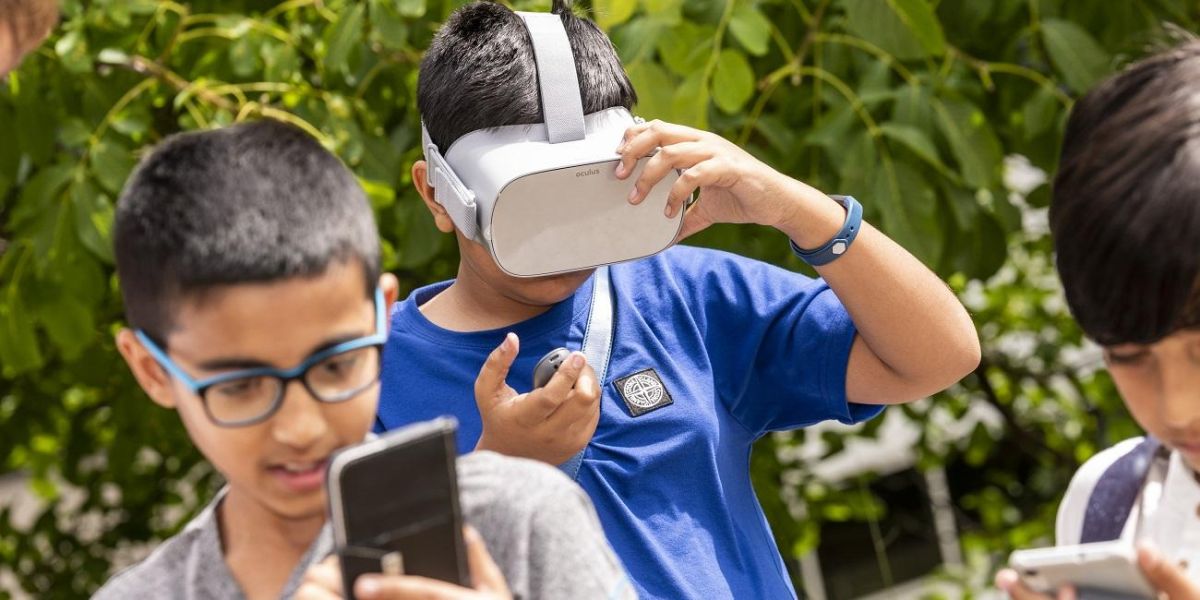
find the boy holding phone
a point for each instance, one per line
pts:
(1125, 219)
(709, 352)
(249, 265)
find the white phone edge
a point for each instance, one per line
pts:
(1062, 565)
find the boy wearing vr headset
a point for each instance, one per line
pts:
(1125, 219)
(691, 355)
(249, 266)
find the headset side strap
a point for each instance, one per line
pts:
(449, 190)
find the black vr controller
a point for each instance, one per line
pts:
(548, 365)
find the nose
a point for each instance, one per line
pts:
(1180, 406)
(300, 422)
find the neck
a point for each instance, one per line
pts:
(471, 304)
(262, 548)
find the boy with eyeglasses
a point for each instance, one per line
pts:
(249, 265)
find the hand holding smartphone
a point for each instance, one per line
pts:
(394, 506)
(1104, 570)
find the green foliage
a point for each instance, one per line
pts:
(911, 105)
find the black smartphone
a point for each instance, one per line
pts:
(393, 505)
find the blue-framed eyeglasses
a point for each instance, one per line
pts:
(250, 396)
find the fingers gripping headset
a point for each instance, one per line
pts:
(543, 198)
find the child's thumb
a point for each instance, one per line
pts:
(492, 376)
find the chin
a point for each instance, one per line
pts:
(546, 291)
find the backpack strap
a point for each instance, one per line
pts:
(1112, 500)
(597, 345)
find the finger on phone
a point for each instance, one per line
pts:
(1165, 576)
(313, 591)
(485, 574)
(326, 574)
(405, 587)
(1009, 582)
(492, 375)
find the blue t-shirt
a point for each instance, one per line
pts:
(722, 348)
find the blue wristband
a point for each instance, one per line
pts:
(841, 241)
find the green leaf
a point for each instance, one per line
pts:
(666, 11)
(19, 350)
(610, 13)
(683, 49)
(920, 19)
(72, 48)
(1040, 112)
(751, 29)
(68, 323)
(635, 40)
(654, 92)
(420, 240)
(243, 56)
(971, 140)
(1075, 53)
(380, 194)
(733, 81)
(877, 22)
(342, 38)
(909, 207)
(93, 219)
(915, 140)
(413, 9)
(689, 106)
(111, 164)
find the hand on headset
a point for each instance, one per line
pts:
(551, 423)
(735, 187)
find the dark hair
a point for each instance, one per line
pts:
(1126, 210)
(255, 202)
(479, 72)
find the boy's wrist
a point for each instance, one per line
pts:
(811, 218)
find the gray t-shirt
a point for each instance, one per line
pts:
(539, 527)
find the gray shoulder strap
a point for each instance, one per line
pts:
(559, 83)
(597, 345)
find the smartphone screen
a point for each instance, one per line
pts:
(394, 505)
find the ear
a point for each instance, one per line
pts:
(420, 177)
(149, 374)
(391, 289)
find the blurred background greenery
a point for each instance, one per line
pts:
(943, 116)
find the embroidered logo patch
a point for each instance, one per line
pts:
(643, 392)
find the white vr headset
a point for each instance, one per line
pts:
(544, 198)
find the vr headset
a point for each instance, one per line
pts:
(543, 198)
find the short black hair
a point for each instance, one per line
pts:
(1125, 214)
(252, 203)
(479, 72)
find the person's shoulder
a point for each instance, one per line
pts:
(1069, 522)
(488, 479)
(159, 575)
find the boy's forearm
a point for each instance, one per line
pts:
(915, 336)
